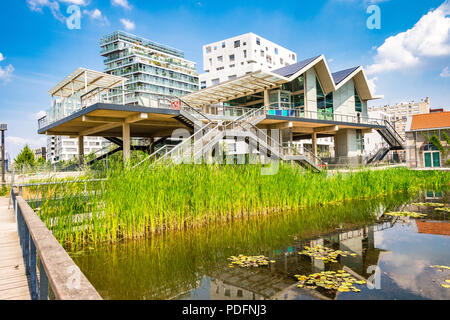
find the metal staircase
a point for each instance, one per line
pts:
(204, 139)
(391, 136)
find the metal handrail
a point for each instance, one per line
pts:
(57, 271)
(154, 154)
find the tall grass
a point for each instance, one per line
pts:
(174, 262)
(137, 203)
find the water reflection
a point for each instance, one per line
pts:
(396, 251)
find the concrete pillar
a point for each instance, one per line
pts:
(126, 142)
(314, 144)
(152, 145)
(266, 98)
(81, 150)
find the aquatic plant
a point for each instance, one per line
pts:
(135, 203)
(406, 214)
(428, 204)
(330, 280)
(325, 254)
(249, 261)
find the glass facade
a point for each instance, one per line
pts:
(358, 103)
(324, 103)
(154, 71)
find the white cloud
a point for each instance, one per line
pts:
(6, 73)
(121, 3)
(429, 37)
(38, 5)
(96, 14)
(77, 2)
(372, 85)
(39, 115)
(15, 144)
(2, 57)
(128, 24)
(445, 73)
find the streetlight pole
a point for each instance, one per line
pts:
(3, 128)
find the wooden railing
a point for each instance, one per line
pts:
(53, 274)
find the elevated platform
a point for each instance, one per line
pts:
(105, 120)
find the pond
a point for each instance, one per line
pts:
(392, 254)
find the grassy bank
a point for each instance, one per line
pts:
(136, 203)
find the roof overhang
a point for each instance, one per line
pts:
(252, 83)
(82, 79)
(361, 84)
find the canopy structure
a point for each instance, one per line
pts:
(85, 80)
(232, 89)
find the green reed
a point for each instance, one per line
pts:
(174, 262)
(135, 203)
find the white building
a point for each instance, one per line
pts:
(234, 57)
(66, 148)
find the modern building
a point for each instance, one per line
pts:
(420, 151)
(66, 148)
(302, 101)
(399, 113)
(40, 152)
(153, 71)
(237, 56)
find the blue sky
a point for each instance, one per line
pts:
(408, 58)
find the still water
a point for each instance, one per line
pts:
(393, 254)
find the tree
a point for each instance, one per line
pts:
(25, 158)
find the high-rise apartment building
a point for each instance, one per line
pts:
(234, 57)
(66, 148)
(154, 71)
(399, 113)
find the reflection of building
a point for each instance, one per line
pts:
(278, 281)
(433, 227)
(421, 153)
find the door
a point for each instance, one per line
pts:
(436, 160)
(427, 156)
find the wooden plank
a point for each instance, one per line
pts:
(14, 283)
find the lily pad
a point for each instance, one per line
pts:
(406, 214)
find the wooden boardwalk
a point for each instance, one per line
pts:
(14, 283)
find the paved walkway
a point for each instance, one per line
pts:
(13, 280)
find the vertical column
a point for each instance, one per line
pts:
(3, 156)
(314, 145)
(266, 98)
(152, 145)
(126, 141)
(81, 150)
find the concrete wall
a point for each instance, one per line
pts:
(311, 91)
(344, 99)
(345, 143)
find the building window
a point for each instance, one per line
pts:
(203, 85)
(359, 140)
(208, 49)
(232, 65)
(215, 81)
(232, 77)
(231, 57)
(223, 44)
(245, 54)
(220, 68)
(358, 103)
(258, 41)
(276, 50)
(220, 58)
(237, 43)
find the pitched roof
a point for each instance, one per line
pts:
(430, 121)
(339, 76)
(294, 68)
